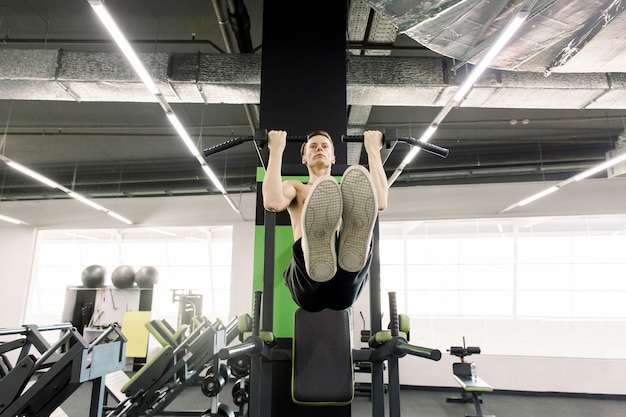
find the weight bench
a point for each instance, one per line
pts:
(472, 387)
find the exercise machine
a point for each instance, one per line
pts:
(282, 380)
(365, 367)
(182, 362)
(472, 386)
(189, 306)
(323, 359)
(44, 375)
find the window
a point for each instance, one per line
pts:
(550, 287)
(189, 260)
(565, 268)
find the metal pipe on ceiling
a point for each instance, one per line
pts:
(240, 25)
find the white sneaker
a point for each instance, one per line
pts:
(360, 208)
(321, 216)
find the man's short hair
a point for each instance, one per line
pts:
(315, 133)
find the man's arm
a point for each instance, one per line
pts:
(373, 142)
(277, 195)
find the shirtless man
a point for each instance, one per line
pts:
(323, 274)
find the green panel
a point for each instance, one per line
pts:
(260, 174)
(257, 281)
(284, 306)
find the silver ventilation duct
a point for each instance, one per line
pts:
(574, 36)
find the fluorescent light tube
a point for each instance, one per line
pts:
(118, 217)
(79, 236)
(10, 219)
(538, 195)
(232, 203)
(53, 184)
(213, 178)
(85, 200)
(31, 173)
(128, 51)
(180, 129)
(163, 232)
(493, 51)
(600, 167)
(122, 42)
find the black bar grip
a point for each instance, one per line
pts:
(428, 147)
(458, 351)
(473, 350)
(226, 145)
(354, 138)
(256, 314)
(432, 354)
(260, 136)
(462, 351)
(393, 313)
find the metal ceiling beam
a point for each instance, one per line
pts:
(235, 79)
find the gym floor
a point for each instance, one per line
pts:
(420, 402)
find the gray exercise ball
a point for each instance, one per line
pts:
(147, 276)
(123, 277)
(93, 276)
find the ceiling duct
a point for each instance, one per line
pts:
(559, 35)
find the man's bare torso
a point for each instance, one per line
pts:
(295, 208)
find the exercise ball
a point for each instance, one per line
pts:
(147, 276)
(93, 276)
(123, 277)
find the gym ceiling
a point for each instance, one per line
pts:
(550, 106)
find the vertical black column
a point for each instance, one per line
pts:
(377, 377)
(303, 88)
(303, 73)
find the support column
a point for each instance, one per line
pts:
(303, 88)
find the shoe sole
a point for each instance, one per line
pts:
(321, 216)
(360, 209)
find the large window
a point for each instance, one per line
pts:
(189, 261)
(550, 268)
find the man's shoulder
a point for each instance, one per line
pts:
(294, 182)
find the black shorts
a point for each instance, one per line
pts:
(338, 293)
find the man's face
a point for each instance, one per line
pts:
(319, 151)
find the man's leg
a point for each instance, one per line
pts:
(343, 291)
(307, 293)
(360, 208)
(321, 217)
(339, 293)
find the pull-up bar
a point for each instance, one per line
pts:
(260, 136)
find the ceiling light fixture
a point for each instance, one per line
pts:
(119, 38)
(459, 96)
(30, 172)
(11, 219)
(79, 236)
(493, 51)
(52, 184)
(585, 174)
(128, 51)
(163, 232)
